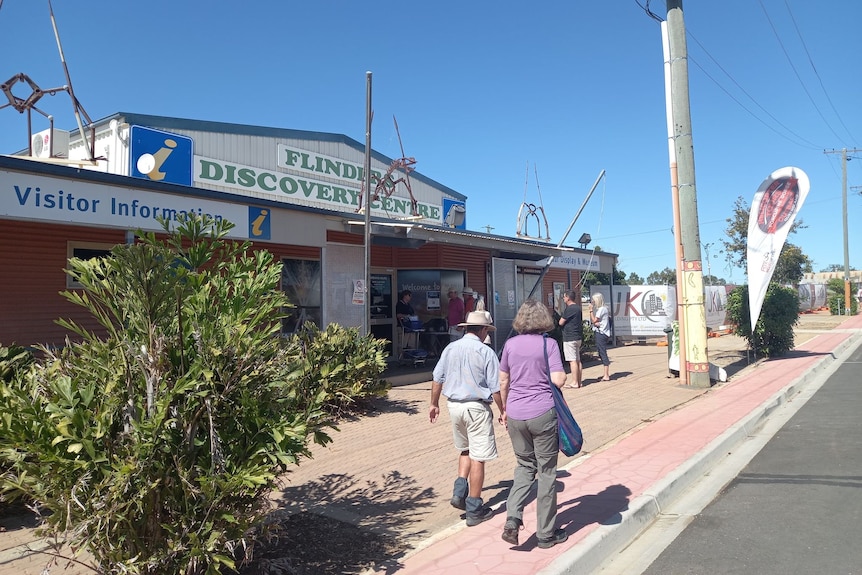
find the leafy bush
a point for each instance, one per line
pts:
(835, 298)
(155, 447)
(13, 360)
(773, 334)
(589, 344)
(339, 362)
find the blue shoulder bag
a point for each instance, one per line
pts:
(571, 437)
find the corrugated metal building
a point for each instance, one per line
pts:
(294, 193)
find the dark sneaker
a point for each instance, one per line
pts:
(484, 514)
(459, 502)
(510, 530)
(559, 536)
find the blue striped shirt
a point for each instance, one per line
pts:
(468, 370)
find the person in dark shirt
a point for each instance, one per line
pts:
(403, 309)
(572, 322)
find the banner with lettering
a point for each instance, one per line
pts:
(773, 210)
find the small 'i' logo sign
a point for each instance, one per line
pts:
(151, 164)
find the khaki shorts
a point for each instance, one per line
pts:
(572, 350)
(473, 429)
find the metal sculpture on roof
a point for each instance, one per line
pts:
(386, 184)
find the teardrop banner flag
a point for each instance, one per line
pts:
(773, 209)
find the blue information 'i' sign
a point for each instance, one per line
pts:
(258, 223)
(160, 156)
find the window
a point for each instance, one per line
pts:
(301, 283)
(84, 251)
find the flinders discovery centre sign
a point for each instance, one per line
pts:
(304, 185)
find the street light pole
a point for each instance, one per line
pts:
(366, 315)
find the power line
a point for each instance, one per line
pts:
(750, 97)
(792, 67)
(810, 145)
(816, 73)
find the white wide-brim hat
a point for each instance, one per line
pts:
(479, 318)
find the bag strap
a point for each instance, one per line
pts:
(547, 363)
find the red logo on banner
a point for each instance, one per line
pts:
(778, 204)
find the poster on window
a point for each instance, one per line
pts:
(358, 292)
(433, 299)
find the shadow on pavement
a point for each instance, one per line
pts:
(604, 508)
(385, 507)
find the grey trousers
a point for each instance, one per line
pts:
(536, 446)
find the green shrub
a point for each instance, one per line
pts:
(13, 360)
(341, 363)
(589, 344)
(155, 448)
(773, 334)
(837, 305)
(835, 298)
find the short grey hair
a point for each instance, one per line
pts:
(533, 317)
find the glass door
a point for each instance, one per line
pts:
(382, 319)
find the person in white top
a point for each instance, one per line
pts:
(600, 320)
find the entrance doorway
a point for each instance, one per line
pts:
(382, 319)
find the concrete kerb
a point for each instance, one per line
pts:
(598, 547)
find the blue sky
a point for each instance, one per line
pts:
(490, 95)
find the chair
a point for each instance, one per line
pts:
(410, 330)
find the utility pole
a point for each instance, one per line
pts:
(691, 288)
(844, 159)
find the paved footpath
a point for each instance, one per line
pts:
(645, 437)
(607, 497)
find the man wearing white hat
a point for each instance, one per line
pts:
(454, 314)
(467, 374)
(469, 300)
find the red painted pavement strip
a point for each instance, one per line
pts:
(595, 487)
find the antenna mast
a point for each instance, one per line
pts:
(76, 105)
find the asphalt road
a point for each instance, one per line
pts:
(796, 507)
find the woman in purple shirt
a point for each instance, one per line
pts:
(531, 420)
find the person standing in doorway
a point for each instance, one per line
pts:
(403, 309)
(572, 322)
(468, 375)
(469, 300)
(600, 320)
(455, 314)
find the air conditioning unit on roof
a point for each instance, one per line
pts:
(51, 143)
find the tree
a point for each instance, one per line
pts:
(836, 268)
(710, 280)
(736, 246)
(593, 278)
(634, 279)
(155, 448)
(791, 266)
(773, 334)
(666, 276)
